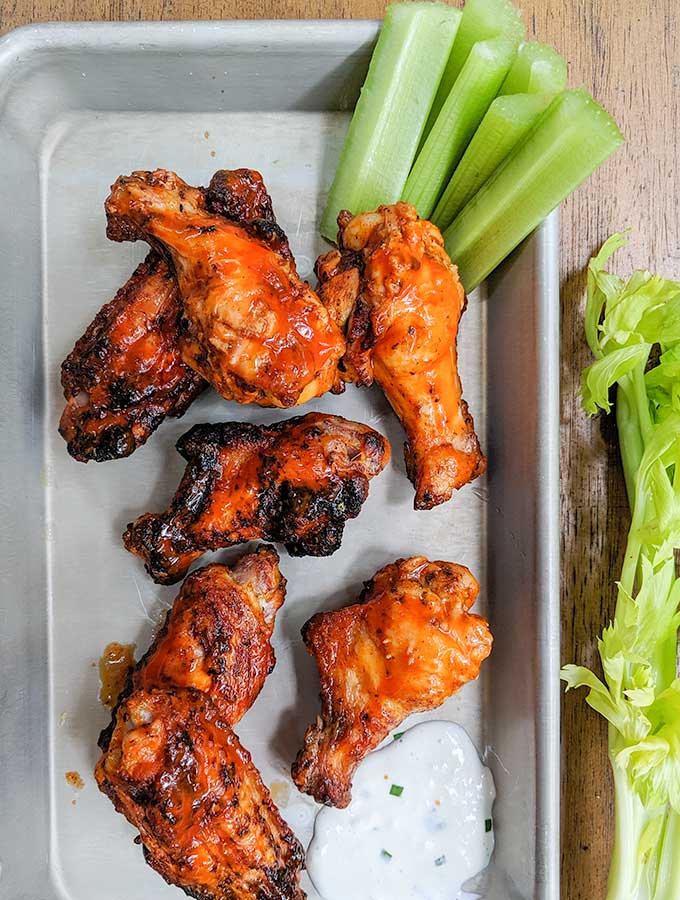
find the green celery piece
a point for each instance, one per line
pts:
(537, 69)
(506, 122)
(382, 141)
(482, 20)
(569, 141)
(470, 97)
(536, 75)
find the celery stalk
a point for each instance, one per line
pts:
(537, 69)
(406, 67)
(476, 87)
(482, 20)
(639, 692)
(571, 138)
(506, 122)
(536, 75)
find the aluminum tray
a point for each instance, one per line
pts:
(80, 105)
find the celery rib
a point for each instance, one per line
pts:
(406, 67)
(536, 75)
(506, 122)
(571, 138)
(537, 69)
(482, 20)
(480, 79)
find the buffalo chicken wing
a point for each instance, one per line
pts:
(393, 288)
(251, 326)
(125, 374)
(171, 763)
(216, 636)
(405, 647)
(296, 482)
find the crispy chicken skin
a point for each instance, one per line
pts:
(177, 772)
(405, 647)
(216, 636)
(171, 763)
(251, 326)
(393, 288)
(296, 482)
(125, 374)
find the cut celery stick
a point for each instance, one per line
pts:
(506, 122)
(482, 20)
(536, 75)
(472, 94)
(406, 67)
(569, 141)
(537, 69)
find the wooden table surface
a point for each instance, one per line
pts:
(627, 54)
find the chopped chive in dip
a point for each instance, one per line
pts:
(396, 790)
(440, 860)
(397, 735)
(386, 855)
(488, 825)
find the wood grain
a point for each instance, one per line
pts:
(628, 54)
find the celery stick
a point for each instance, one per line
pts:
(537, 69)
(536, 75)
(571, 138)
(406, 67)
(506, 122)
(482, 20)
(472, 94)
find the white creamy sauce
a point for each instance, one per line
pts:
(419, 824)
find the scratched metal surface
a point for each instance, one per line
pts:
(88, 126)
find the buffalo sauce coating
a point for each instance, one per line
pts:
(415, 301)
(211, 818)
(216, 638)
(406, 647)
(255, 330)
(126, 373)
(114, 666)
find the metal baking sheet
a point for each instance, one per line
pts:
(82, 104)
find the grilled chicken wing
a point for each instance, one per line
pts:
(125, 374)
(171, 763)
(395, 290)
(251, 326)
(216, 636)
(296, 482)
(406, 646)
(177, 772)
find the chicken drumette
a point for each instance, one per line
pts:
(251, 327)
(171, 763)
(296, 482)
(394, 290)
(125, 374)
(406, 646)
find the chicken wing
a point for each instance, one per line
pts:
(296, 482)
(406, 646)
(393, 288)
(171, 763)
(125, 374)
(251, 326)
(216, 636)
(178, 773)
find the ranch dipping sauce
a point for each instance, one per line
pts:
(419, 824)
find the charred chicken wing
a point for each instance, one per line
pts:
(177, 772)
(406, 646)
(251, 326)
(296, 482)
(171, 763)
(393, 288)
(216, 636)
(125, 374)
